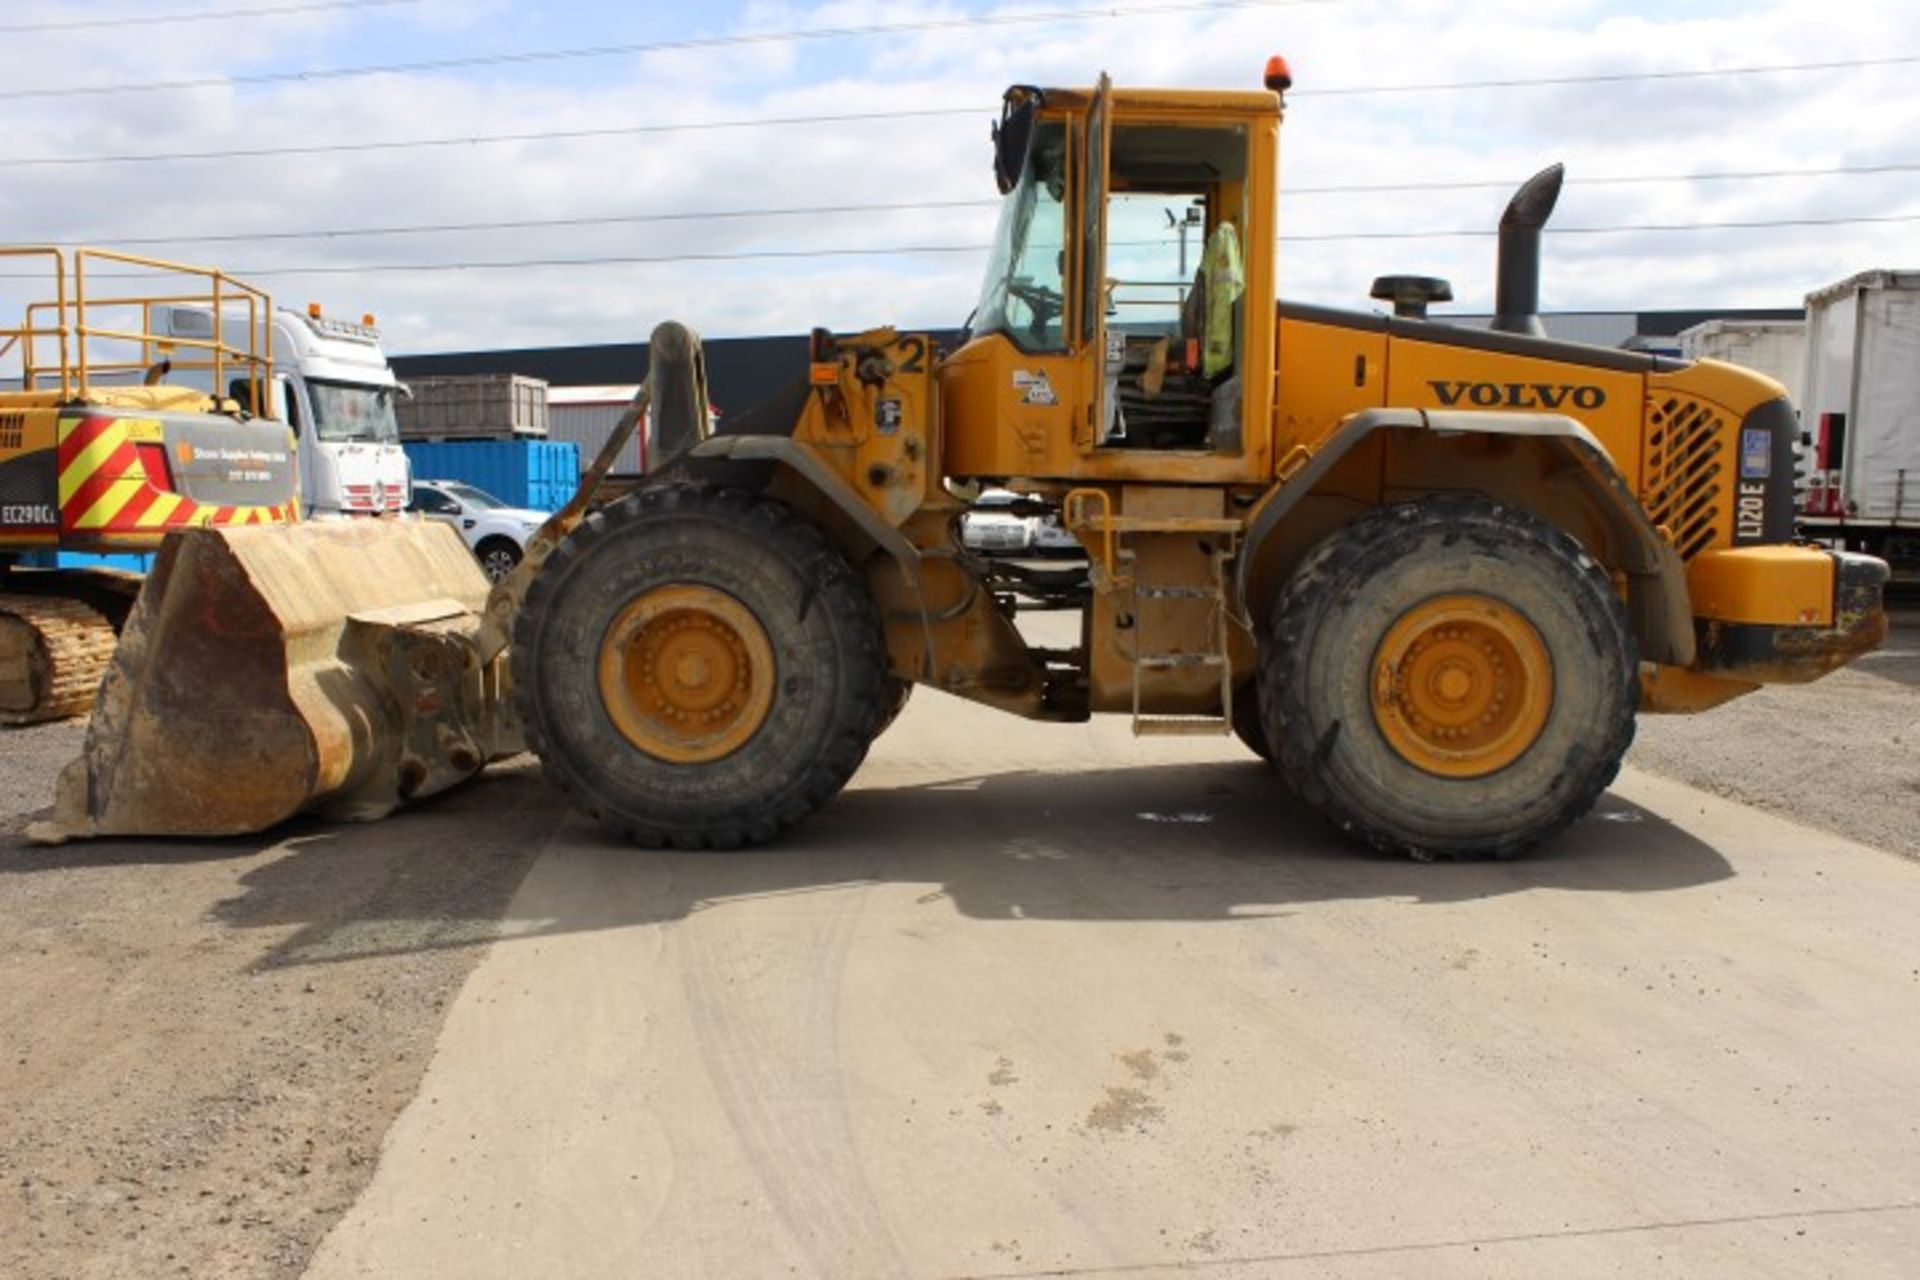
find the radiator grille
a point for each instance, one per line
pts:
(13, 429)
(1682, 476)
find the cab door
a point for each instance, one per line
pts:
(1091, 325)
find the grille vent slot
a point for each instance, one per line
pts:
(1684, 463)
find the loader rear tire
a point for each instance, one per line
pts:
(699, 667)
(1450, 678)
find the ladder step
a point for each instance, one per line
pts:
(1182, 726)
(1178, 593)
(1163, 661)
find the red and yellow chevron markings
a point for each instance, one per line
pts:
(109, 485)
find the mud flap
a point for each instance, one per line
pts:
(274, 670)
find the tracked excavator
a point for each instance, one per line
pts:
(100, 454)
(1431, 573)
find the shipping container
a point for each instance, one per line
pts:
(481, 406)
(537, 474)
(1861, 415)
(132, 562)
(1777, 348)
(587, 416)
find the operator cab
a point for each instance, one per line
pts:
(1118, 277)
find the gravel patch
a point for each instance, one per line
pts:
(1842, 753)
(206, 1041)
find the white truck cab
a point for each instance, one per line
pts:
(333, 386)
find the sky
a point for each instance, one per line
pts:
(1378, 170)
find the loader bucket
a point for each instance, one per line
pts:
(267, 671)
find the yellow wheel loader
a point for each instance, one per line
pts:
(1429, 572)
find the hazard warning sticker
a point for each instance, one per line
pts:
(1033, 386)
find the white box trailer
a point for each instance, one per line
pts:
(1777, 348)
(1860, 415)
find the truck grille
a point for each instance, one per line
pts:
(1681, 485)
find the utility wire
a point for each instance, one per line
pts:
(1613, 77)
(878, 251)
(543, 135)
(827, 210)
(532, 56)
(848, 117)
(527, 57)
(528, 224)
(216, 15)
(1606, 180)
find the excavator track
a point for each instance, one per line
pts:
(53, 653)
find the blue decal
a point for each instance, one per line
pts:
(1756, 453)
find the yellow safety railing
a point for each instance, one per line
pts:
(104, 338)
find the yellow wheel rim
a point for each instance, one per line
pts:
(1462, 686)
(686, 673)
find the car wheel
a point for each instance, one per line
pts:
(498, 557)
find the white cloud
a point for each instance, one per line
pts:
(1809, 120)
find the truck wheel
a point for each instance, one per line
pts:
(698, 667)
(497, 557)
(1450, 678)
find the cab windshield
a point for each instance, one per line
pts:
(345, 411)
(1025, 291)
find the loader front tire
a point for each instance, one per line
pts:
(1249, 725)
(698, 667)
(1449, 678)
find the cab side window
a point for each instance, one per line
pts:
(432, 502)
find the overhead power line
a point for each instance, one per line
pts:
(844, 117)
(1611, 180)
(542, 135)
(919, 250)
(534, 56)
(214, 15)
(1611, 77)
(829, 210)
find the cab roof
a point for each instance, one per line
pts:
(1146, 101)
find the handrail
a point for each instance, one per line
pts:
(75, 323)
(1073, 513)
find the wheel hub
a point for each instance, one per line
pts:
(686, 673)
(1463, 685)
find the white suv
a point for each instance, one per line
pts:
(496, 532)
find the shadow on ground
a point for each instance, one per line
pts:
(1214, 842)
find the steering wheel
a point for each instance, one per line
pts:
(1045, 303)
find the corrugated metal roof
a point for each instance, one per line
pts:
(1881, 278)
(604, 394)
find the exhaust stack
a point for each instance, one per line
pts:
(1517, 290)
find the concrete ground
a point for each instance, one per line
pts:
(1027, 1000)
(1046, 1001)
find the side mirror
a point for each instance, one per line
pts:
(280, 402)
(1013, 135)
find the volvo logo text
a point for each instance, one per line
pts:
(1517, 395)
